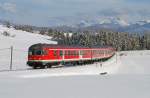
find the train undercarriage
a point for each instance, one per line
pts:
(42, 65)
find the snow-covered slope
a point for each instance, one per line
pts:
(20, 40)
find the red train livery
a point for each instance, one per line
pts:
(46, 55)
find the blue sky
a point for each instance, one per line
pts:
(59, 12)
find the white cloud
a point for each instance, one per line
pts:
(43, 12)
(8, 7)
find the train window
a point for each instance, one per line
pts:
(69, 53)
(65, 53)
(101, 52)
(45, 52)
(77, 52)
(81, 52)
(61, 52)
(84, 52)
(55, 52)
(37, 52)
(98, 51)
(93, 51)
(30, 52)
(74, 53)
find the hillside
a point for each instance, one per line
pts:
(20, 40)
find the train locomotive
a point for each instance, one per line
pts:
(47, 55)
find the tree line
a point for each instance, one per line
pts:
(122, 41)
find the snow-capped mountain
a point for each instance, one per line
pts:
(142, 22)
(84, 23)
(114, 21)
(139, 26)
(116, 24)
(119, 25)
(107, 21)
(121, 22)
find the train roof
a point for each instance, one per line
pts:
(54, 46)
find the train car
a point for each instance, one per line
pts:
(47, 55)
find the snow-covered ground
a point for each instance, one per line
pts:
(128, 74)
(128, 77)
(134, 62)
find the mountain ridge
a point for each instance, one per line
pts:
(117, 25)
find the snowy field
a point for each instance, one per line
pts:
(128, 74)
(128, 77)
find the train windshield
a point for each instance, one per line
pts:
(36, 52)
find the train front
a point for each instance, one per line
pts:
(36, 56)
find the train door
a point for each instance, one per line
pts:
(61, 54)
(55, 54)
(80, 54)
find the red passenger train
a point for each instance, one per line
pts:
(46, 55)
